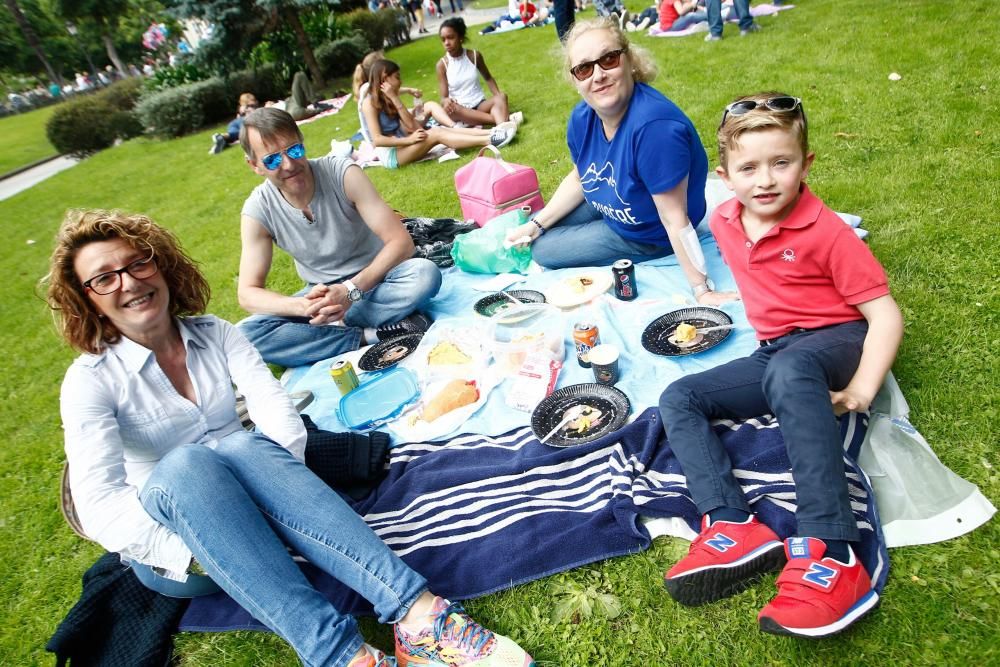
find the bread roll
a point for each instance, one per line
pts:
(454, 395)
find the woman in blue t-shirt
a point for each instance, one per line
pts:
(640, 169)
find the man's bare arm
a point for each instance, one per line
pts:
(255, 264)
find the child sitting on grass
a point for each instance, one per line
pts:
(398, 137)
(828, 332)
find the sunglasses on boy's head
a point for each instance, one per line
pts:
(782, 103)
(273, 161)
(609, 60)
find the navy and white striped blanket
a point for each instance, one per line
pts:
(477, 514)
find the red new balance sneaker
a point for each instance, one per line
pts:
(817, 596)
(724, 559)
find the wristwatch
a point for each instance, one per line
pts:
(353, 293)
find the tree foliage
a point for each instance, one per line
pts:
(240, 26)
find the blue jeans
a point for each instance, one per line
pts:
(292, 341)
(582, 238)
(238, 505)
(688, 20)
(714, 10)
(790, 378)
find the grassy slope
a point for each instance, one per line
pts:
(23, 139)
(916, 158)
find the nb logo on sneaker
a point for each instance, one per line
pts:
(798, 547)
(821, 575)
(721, 543)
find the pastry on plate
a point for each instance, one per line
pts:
(454, 395)
(447, 353)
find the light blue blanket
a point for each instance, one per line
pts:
(662, 288)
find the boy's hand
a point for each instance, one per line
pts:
(713, 298)
(849, 399)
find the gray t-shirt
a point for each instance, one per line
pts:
(336, 244)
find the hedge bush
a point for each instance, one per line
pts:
(85, 125)
(177, 111)
(339, 57)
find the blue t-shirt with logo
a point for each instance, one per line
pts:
(655, 147)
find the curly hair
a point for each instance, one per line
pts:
(639, 59)
(75, 316)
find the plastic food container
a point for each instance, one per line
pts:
(514, 341)
(379, 400)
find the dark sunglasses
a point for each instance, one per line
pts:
(273, 161)
(111, 281)
(785, 103)
(609, 60)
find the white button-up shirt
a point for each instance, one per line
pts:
(121, 415)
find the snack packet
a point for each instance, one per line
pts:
(535, 380)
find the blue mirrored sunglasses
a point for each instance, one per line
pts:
(273, 161)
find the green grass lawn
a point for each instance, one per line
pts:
(917, 158)
(22, 137)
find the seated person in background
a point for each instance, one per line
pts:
(639, 172)
(421, 111)
(399, 138)
(828, 331)
(247, 103)
(303, 102)
(350, 248)
(458, 74)
(162, 472)
(643, 20)
(677, 15)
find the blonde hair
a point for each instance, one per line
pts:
(639, 59)
(76, 317)
(248, 98)
(363, 71)
(758, 120)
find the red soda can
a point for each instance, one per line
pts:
(624, 273)
(585, 338)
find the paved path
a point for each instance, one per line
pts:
(472, 17)
(29, 177)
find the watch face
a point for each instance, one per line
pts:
(354, 295)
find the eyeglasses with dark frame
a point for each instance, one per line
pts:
(111, 281)
(783, 103)
(609, 60)
(273, 161)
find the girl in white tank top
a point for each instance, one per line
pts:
(458, 74)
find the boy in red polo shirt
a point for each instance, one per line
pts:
(828, 332)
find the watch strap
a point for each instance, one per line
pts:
(353, 293)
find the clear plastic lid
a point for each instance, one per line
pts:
(378, 400)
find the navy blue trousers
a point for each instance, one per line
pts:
(790, 378)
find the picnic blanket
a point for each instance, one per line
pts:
(478, 514)
(336, 102)
(702, 26)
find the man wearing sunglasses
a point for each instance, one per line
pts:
(348, 246)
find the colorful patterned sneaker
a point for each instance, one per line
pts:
(724, 559)
(373, 658)
(817, 596)
(452, 639)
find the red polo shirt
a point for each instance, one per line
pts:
(809, 271)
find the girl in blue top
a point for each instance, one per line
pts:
(398, 137)
(639, 171)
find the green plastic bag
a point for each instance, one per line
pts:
(482, 250)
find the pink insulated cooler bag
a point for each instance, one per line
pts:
(490, 186)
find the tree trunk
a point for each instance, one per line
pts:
(109, 46)
(292, 17)
(32, 39)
